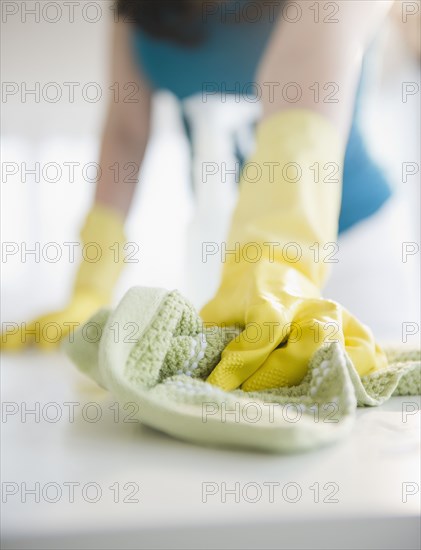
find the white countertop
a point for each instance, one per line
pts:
(367, 474)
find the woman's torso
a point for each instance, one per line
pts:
(235, 35)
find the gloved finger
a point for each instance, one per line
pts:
(265, 328)
(47, 331)
(60, 325)
(365, 354)
(14, 338)
(53, 328)
(316, 323)
(44, 332)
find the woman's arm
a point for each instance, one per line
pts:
(281, 291)
(311, 55)
(123, 145)
(127, 127)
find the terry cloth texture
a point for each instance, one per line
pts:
(154, 350)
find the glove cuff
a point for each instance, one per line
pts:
(295, 129)
(103, 239)
(296, 197)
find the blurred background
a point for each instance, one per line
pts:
(45, 133)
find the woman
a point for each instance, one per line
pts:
(276, 262)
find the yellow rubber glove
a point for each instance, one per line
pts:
(93, 286)
(272, 275)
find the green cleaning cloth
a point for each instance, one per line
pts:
(155, 351)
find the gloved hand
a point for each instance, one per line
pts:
(93, 286)
(284, 224)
